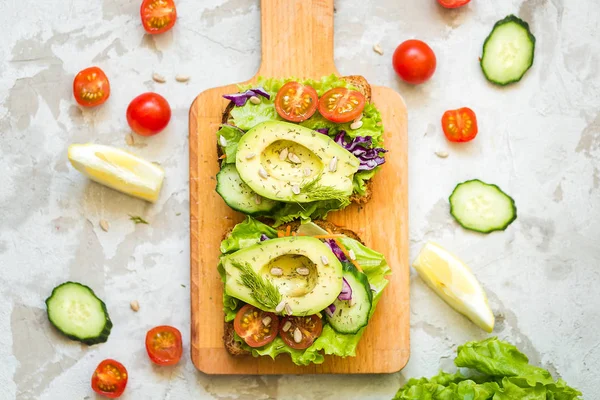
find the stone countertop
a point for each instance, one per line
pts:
(539, 140)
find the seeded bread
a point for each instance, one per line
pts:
(233, 347)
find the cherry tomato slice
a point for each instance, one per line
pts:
(158, 16)
(341, 104)
(163, 345)
(301, 332)
(414, 61)
(148, 114)
(255, 326)
(91, 87)
(453, 3)
(296, 102)
(460, 125)
(109, 379)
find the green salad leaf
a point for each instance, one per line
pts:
(330, 342)
(232, 136)
(499, 371)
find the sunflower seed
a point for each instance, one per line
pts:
(333, 164)
(129, 140)
(288, 309)
(356, 125)
(104, 225)
(352, 255)
(283, 154)
(359, 118)
(324, 260)
(182, 78)
(263, 173)
(296, 189)
(294, 158)
(280, 306)
(135, 306)
(307, 171)
(276, 271)
(254, 100)
(266, 321)
(222, 140)
(441, 154)
(250, 156)
(377, 49)
(286, 327)
(351, 302)
(303, 271)
(257, 199)
(297, 335)
(158, 78)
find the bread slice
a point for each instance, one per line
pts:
(233, 347)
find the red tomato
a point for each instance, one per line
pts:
(310, 329)
(255, 326)
(341, 104)
(158, 16)
(453, 3)
(91, 87)
(296, 102)
(163, 345)
(414, 61)
(109, 379)
(148, 114)
(460, 125)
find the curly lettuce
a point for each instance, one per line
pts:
(330, 342)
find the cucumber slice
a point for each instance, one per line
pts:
(482, 207)
(352, 315)
(508, 51)
(76, 311)
(239, 196)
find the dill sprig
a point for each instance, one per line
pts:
(262, 290)
(137, 219)
(319, 192)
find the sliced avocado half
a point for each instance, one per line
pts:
(291, 163)
(302, 271)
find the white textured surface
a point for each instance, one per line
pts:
(539, 140)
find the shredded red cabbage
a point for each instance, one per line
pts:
(263, 237)
(346, 293)
(330, 310)
(336, 250)
(240, 99)
(359, 146)
(324, 131)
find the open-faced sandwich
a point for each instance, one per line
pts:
(299, 148)
(306, 290)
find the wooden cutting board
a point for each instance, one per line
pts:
(297, 40)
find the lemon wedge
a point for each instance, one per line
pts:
(454, 282)
(118, 170)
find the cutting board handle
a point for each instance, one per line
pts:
(297, 38)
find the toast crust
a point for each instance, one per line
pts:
(233, 347)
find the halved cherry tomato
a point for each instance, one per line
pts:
(460, 125)
(296, 102)
(453, 3)
(158, 16)
(109, 379)
(163, 345)
(414, 61)
(91, 87)
(148, 114)
(341, 104)
(309, 328)
(255, 326)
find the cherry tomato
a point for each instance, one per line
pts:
(91, 87)
(341, 104)
(158, 16)
(414, 61)
(453, 3)
(309, 329)
(296, 102)
(148, 114)
(460, 125)
(255, 326)
(163, 345)
(109, 379)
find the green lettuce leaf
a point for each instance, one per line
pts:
(510, 391)
(359, 182)
(330, 342)
(232, 135)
